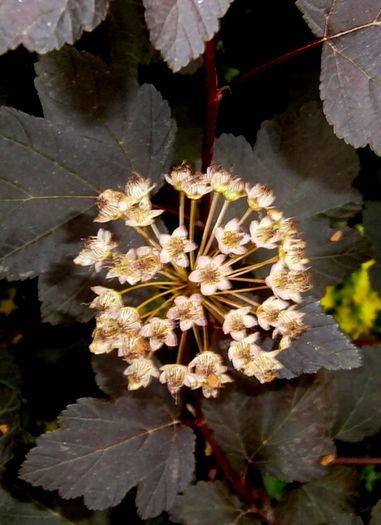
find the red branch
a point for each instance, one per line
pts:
(356, 461)
(212, 103)
(275, 61)
(261, 508)
(366, 342)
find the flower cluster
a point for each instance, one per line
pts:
(205, 283)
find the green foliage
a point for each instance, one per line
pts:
(354, 304)
(370, 476)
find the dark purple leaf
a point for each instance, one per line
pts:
(129, 39)
(284, 433)
(78, 90)
(311, 173)
(322, 345)
(358, 398)
(180, 28)
(43, 25)
(208, 502)
(334, 251)
(105, 448)
(109, 376)
(300, 159)
(351, 64)
(53, 172)
(325, 501)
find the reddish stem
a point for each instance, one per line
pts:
(213, 100)
(275, 61)
(356, 461)
(239, 484)
(366, 342)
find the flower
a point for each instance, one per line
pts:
(179, 176)
(138, 188)
(231, 239)
(196, 187)
(292, 254)
(268, 312)
(97, 250)
(286, 284)
(160, 332)
(263, 366)
(112, 205)
(108, 299)
(134, 347)
(189, 311)
(264, 234)
(177, 376)
(236, 321)
(210, 372)
(290, 323)
(259, 196)
(123, 267)
(220, 179)
(141, 215)
(176, 246)
(211, 274)
(198, 281)
(140, 372)
(241, 352)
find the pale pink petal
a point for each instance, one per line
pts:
(195, 276)
(208, 289)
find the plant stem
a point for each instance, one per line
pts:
(181, 348)
(355, 461)
(198, 339)
(192, 222)
(181, 208)
(158, 284)
(153, 298)
(216, 225)
(208, 223)
(241, 290)
(239, 484)
(275, 61)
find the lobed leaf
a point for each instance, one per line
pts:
(314, 188)
(351, 63)
(80, 91)
(180, 28)
(283, 433)
(326, 501)
(344, 250)
(105, 448)
(208, 502)
(322, 345)
(108, 369)
(358, 398)
(43, 25)
(300, 159)
(52, 172)
(129, 39)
